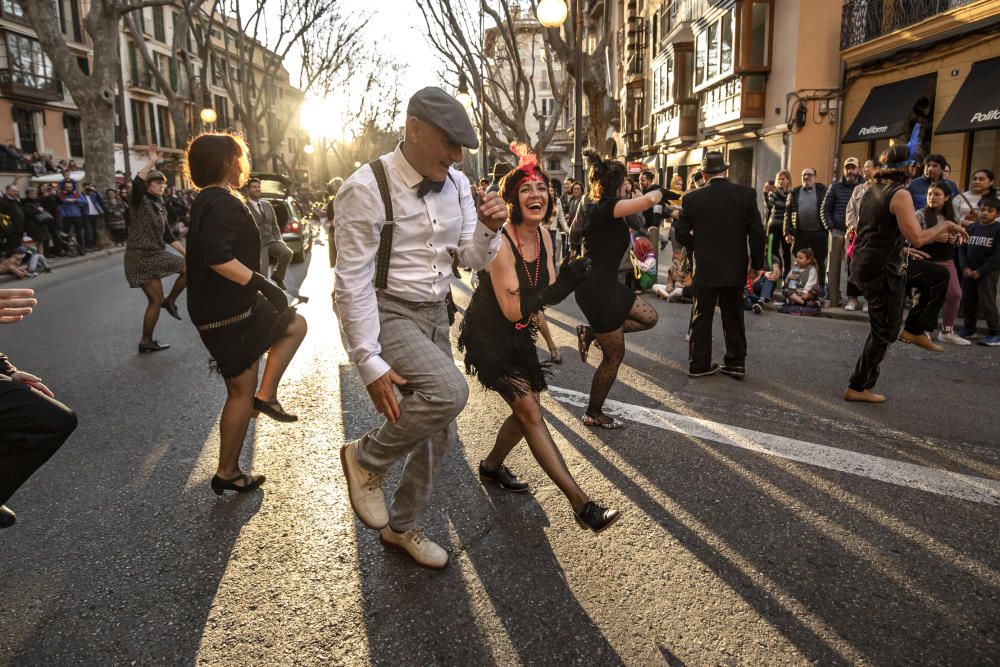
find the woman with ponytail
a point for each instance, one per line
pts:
(611, 308)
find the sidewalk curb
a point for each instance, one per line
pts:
(832, 313)
(62, 262)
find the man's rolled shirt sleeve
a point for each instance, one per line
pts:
(478, 245)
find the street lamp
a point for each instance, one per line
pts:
(208, 115)
(552, 14)
(463, 95)
(308, 149)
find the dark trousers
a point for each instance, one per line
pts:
(930, 279)
(981, 294)
(281, 255)
(886, 297)
(90, 230)
(730, 300)
(32, 427)
(75, 227)
(819, 242)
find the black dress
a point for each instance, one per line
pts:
(604, 300)
(243, 324)
(501, 353)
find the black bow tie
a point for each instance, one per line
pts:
(427, 185)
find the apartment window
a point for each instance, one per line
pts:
(714, 50)
(555, 164)
(27, 135)
(140, 123)
(159, 29)
(83, 64)
(654, 32)
(548, 106)
(166, 127)
(760, 28)
(217, 72)
(151, 110)
(28, 64)
(234, 73)
(70, 9)
(174, 78)
(291, 145)
(12, 9)
(74, 134)
(222, 111)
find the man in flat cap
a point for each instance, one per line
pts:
(400, 219)
(718, 224)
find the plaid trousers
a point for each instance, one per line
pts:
(415, 343)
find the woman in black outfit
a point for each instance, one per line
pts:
(886, 220)
(777, 200)
(499, 331)
(611, 308)
(239, 314)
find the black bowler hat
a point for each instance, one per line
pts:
(443, 111)
(713, 163)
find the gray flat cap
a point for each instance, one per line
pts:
(440, 109)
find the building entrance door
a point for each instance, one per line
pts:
(741, 166)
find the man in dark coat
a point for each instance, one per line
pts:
(718, 224)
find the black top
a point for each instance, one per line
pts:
(718, 224)
(938, 251)
(879, 245)
(605, 240)
(221, 230)
(151, 206)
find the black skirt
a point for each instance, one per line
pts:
(235, 348)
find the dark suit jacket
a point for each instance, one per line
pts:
(719, 224)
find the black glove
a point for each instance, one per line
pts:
(271, 292)
(573, 273)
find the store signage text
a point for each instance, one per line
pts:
(982, 117)
(873, 129)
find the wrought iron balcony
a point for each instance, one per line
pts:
(29, 85)
(865, 20)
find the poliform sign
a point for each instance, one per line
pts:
(873, 129)
(985, 116)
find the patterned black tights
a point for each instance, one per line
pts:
(640, 318)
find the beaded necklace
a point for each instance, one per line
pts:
(538, 253)
(538, 264)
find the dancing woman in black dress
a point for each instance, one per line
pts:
(611, 308)
(498, 336)
(239, 313)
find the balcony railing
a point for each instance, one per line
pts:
(865, 20)
(19, 83)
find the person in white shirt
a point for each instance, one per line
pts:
(393, 312)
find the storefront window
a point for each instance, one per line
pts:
(985, 152)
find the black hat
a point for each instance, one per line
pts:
(500, 169)
(440, 109)
(713, 163)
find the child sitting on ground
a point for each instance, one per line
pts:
(678, 285)
(979, 260)
(757, 293)
(802, 284)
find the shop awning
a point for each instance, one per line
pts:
(886, 112)
(977, 105)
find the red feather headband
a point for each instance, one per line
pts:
(527, 164)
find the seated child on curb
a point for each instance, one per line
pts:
(979, 260)
(802, 284)
(758, 292)
(678, 284)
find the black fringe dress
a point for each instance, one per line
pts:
(501, 353)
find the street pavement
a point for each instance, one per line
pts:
(764, 521)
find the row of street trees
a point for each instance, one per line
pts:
(254, 37)
(505, 72)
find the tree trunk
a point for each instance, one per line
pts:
(97, 125)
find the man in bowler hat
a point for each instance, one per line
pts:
(396, 325)
(718, 224)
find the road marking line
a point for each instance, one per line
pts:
(933, 480)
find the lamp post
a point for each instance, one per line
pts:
(552, 14)
(463, 96)
(208, 116)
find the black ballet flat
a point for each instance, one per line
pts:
(596, 518)
(7, 517)
(250, 483)
(273, 410)
(503, 478)
(155, 346)
(171, 308)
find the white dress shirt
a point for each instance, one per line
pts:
(427, 230)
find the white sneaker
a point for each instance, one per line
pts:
(851, 305)
(416, 545)
(364, 488)
(953, 338)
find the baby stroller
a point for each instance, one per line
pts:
(69, 244)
